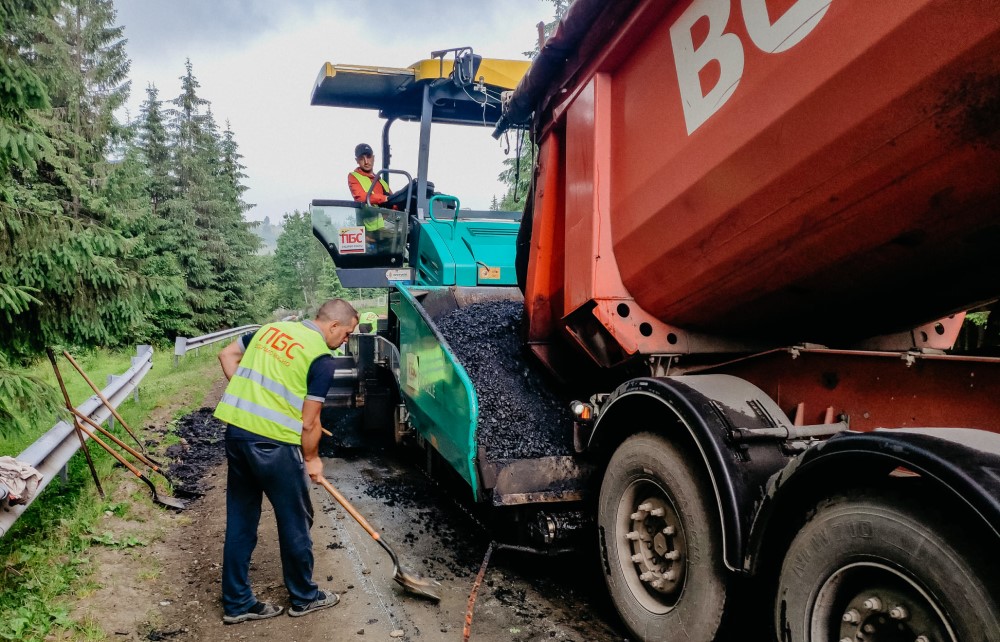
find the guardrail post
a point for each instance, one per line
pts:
(64, 474)
(140, 349)
(111, 419)
(180, 347)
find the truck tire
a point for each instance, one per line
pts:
(874, 566)
(660, 542)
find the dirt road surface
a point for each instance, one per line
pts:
(167, 588)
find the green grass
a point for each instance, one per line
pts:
(381, 310)
(44, 558)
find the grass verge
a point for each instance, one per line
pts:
(44, 558)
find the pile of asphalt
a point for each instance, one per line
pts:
(201, 448)
(520, 416)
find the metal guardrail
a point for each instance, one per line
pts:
(183, 344)
(51, 451)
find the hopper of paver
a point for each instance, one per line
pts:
(472, 393)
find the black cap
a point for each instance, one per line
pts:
(364, 149)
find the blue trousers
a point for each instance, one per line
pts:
(258, 468)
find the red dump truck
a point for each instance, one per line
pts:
(753, 229)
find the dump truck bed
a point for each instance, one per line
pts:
(827, 174)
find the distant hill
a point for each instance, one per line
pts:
(268, 234)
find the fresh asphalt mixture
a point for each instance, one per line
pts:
(201, 448)
(520, 416)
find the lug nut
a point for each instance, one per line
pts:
(873, 604)
(868, 628)
(637, 558)
(670, 576)
(632, 535)
(669, 530)
(639, 514)
(657, 512)
(899, 613)
(672, 555)
(647, 577)
(658, 584)
(851, 617)
(645, 506)
(846, 640)
(922, 638)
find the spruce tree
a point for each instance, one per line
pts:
(22, 143)
(88, 288)
(169, 314)
(206, 210)
(153, 145)
(240, 280)
(68, 275)
(184, 214)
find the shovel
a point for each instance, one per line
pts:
(77, 415)
(163, 500)
(76, 425)
(142, 458)
(104, 400)
(409, 581)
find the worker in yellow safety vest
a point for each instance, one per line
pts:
(278, 380)
(368, 323)
(360, 180)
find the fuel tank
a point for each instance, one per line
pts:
(807, 170)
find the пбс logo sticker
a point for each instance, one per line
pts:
(352, 240)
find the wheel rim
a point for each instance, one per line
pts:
(872, 602)
(652, 547)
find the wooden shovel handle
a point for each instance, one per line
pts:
(100, 395)
(118, 441)
(349, 508)
(124, 462)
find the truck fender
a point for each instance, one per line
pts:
(962, 464)
(704, 412)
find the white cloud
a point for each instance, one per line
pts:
(260, 79)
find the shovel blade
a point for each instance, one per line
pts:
(417, 585)
(170, 502)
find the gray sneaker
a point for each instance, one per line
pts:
(259, 611)
(325, 600)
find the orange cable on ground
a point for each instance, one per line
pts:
(467, 629)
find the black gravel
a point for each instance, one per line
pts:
(201, 448)
(416, 501)
(520, 416)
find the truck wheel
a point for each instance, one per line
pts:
(871, 567)
(660, 542)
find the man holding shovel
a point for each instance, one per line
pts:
(278, 380)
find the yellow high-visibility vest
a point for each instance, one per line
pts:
(366, 182)
(266, 394)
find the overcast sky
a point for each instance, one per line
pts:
(257, 61)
